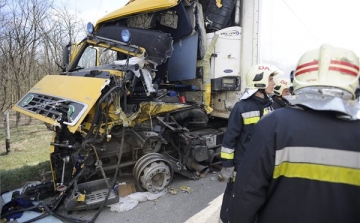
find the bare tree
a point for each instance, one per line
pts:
(65, 27)
(32, 33)
(3, 79)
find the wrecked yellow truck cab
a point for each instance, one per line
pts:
(147, 92)
(54, 93)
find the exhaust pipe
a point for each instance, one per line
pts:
(193, 165)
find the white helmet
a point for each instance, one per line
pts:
(257, 77)
(328, 67)
(281, 84)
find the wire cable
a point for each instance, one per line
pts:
(298, 17)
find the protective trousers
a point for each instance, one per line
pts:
(225, 202)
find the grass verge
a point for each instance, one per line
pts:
(16, 178)
(28, 156)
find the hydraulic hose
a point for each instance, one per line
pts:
(116, 171)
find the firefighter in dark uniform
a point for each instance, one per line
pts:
(281, 90)
(303, 162)
(253, 104)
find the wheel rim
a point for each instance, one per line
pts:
(152, 173)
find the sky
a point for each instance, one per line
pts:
(288, 28)
(90, 10)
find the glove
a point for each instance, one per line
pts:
(226, 174)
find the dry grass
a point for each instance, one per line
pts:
(28, 156)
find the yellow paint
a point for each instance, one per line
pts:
(75, 51)
(207, 98)
(80, 89)
(52, 148)
(137, 6)
(38, 117)
(81, 197)
(53, 173)
(205, 63)
(146, 111)
(140, 51)
(207, 93)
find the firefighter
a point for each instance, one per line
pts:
(303, 165)
(253, 104)
(281, 89)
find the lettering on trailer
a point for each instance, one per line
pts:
(230, 33)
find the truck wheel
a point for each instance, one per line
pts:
(153, 173)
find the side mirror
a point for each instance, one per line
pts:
(66, 56)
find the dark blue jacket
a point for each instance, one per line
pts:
(301, 166)
(279, 102)
(241, 121)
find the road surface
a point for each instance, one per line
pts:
(202, 205)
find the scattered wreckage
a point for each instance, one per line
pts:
(148, 91)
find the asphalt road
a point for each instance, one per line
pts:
(200, 206)
(197, 206)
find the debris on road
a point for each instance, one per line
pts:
(132, 200)
(186, 189)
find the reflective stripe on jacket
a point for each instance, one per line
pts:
(303, 166)
(242, 118)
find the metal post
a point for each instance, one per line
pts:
(7, 131)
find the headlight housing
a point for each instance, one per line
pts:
(90, 28)
(125, 35)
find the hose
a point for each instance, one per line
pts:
(116, 171)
